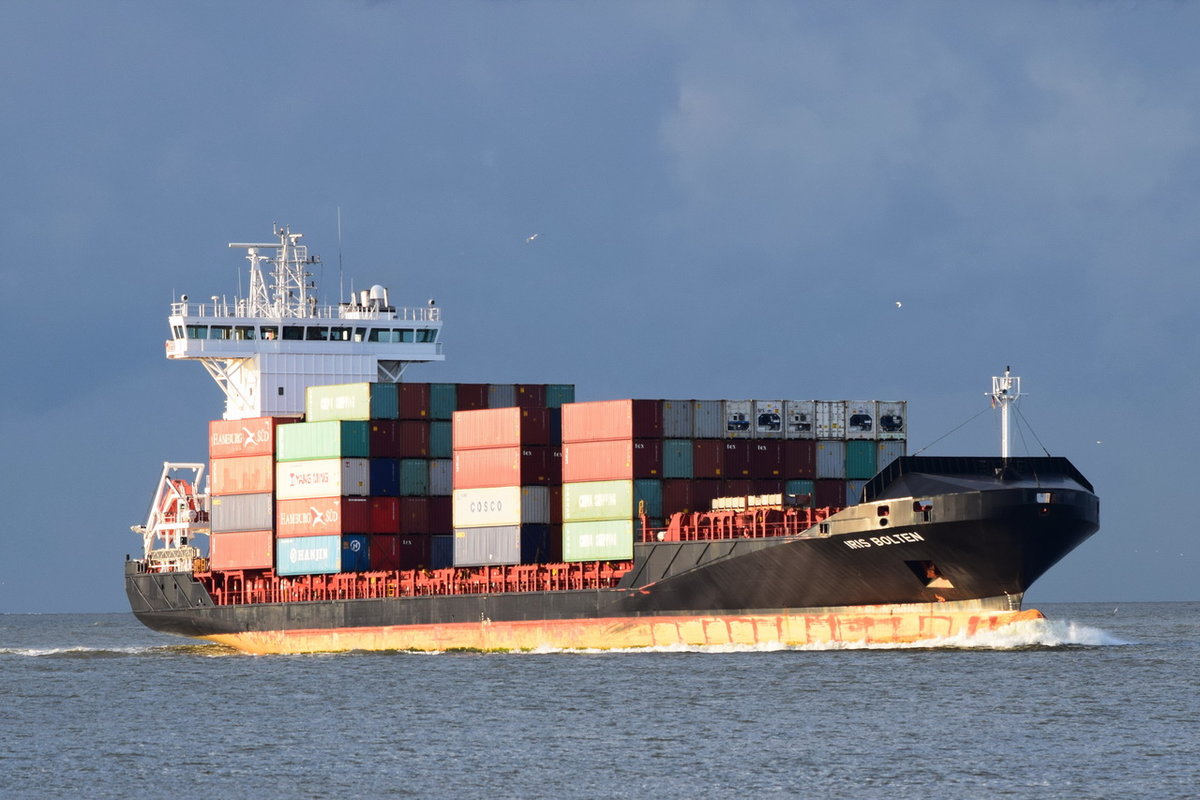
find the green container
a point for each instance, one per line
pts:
(305, 441)
(599, 500)
(648, 491)
(441, 442)
(677, 458)
(351, 401)
(605, 540)
(443, 401)
(860, 460)
(559, 393)
(414, 477)
(801, 487)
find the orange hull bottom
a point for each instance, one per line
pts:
(866, 625)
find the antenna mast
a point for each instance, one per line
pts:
(1005, 390)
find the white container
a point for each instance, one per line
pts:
(325, 477)
(738, 416)
(831, 419)
(502, 506)
(892, 422)
(860, 419)
(799, 419)
(677, 419)
(768, 419)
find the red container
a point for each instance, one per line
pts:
(737, 459)
(611, 460)
(677, 496)
(414, 400)
(766, 459)
(800, 459)
(612, 419)
(399, 551)
(708, 458)
(385, 514)
(531, 395)
(242, 475)
(241, 550)
(501, 427)
(554, 462)
(412, 439)
(384, 439)
(829, 493)
(556, 500)
(501, 466)
(472, 396)
(414, 515)
(229, 438)
(704, 492)
(322, 516)
(737, 488)
(767, 487)
(441, 515)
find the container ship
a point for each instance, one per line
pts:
(342, 507)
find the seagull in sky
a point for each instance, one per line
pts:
(530, 239)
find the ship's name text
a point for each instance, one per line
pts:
(901, 537)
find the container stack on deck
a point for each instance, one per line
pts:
(242, 483)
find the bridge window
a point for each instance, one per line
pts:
(428, 335)
(243, 332)
(197, 331)
(269, 332)
(219, 332)
(339, 334)
(177, 331)
(379, 335)
(360, 334)
(314, 334)
(293, 333)
(406, 335)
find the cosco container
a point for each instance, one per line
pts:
(243, 437)
(860, 459)
(242, 512)
(331, 439)
(677, 458)
(441, 478)
(831, 459)
(708, 421)
(889, 451)
(443, 400)
(768, 419)
(893, 419)
(240, 550)
(508, 544)
(615, 459)
(384, 477)
(413, 401)
(501, 506)
(738, 418)
(860, 419)
(501, 395)
(351, 401)
(242, 475)
(558, 394)
(799, 419)
(501, 427)
(678, 419)
(605, 540)
(612, 419)
(331, 477)
(831, 419)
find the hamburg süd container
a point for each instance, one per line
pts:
(501, 427)
(677, 458)
(612, 419)
(738, 417)
(602, 540)
(329, 477)
(324, 516)
(351, 401)
(768, 419)
(678, 419)
(831, 459)
(799, 419)
(708, 421)
(243, 437)
(860, 459)
(507, 544)
(613, 459)
(241, 550)
(242, 475)
(860, 419)
(242, 512)
(303, 441)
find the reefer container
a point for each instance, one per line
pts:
(612, 419)
(860, 419)
(677, 458)
(604, 540)
(768, 419)
(242, 475)
(501, 427)
(501, 506)
(351, 401)
(860, 459)
(508, 544)
(678, 419)
(243, 437)
(738, 417)
(708, 421)
(831, 459)
(323, 516)
(893, 419)
(329, 477)
(242, 512)
(304, 441)
(831, 419)
(240, 550)
(614, 459)
(799, 419)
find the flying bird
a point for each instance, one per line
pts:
(529, 240)
(898, 304)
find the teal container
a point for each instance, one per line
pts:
(559, 393)
(352, 401)
(677, 458)
(441, 441)
(304, 441)
(443, 401)
(414, 477)
(605, 540)
(860, 459)
(801, 487)
(648, 491)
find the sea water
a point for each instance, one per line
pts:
(1098, 701)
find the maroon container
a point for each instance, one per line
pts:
(708, 458)
(441, 515)
(767, 487)
(829, 493)
(611, 460)
(412, 439)
(677, 496)
(704, 492)
(531, 395)
(383, 438)
(472, 396)
(737, 488)
(554, 462)
(414, 515)
(766, 459)
(737, 459)
(400, 551)
(501, 427)
(612, 419)
(556, 497)
(414, 400)
(800, 459)
(385, 514)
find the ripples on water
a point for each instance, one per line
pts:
(1098, 701)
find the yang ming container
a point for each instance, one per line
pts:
(351, 401)
(324, 478)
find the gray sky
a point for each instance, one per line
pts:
(730, 197)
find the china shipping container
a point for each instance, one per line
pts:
(678, 419)
(677, 458)
(501, 427)
(351, 401)
(831, 419)
(708, 458)
(614, 459)
(799, 419)
(305, 441)
(888, 451)
(800, 458)
(738, 418)
(241, 550)
(243, 437)
(441, 477)
(443, 400)
(831, 459)
(860, 459)
(860, 419)
(413, 401)
(242, 512)
(598, 500)
(603, 540)
(893, 419)
(330, 477)
(507, 544)
(242, 475)
(766, 460)
(708, 421)
(501, 395)
(768, 419)
(501, 506)
(612, 419)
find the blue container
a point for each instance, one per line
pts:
(414, 477)
(385, 477)
(559, 393)
(356, 552)
(648, 491)
(889, 451)
(831, 459)
(441, 442)
(308, 555)
(854, 492)
(677, 458)
(441, 553)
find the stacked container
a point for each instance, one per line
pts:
(241, 486)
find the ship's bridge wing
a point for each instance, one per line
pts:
(917, 476)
